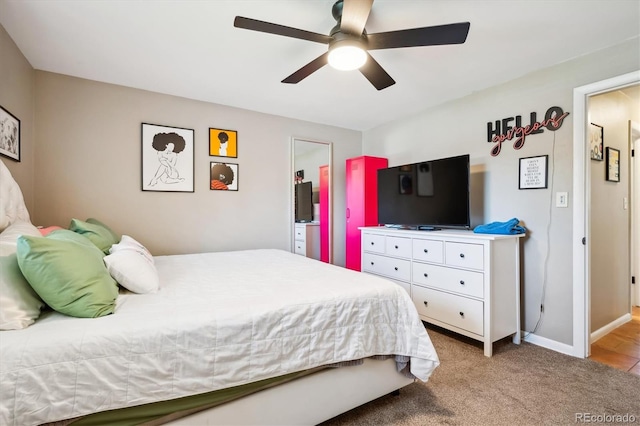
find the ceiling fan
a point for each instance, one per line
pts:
(349, 42)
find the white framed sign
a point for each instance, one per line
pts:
(533, 172)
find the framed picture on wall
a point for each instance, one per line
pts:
(533, 172)
(167, 158)
(223, 143)
(9, 135)
(613, 164)
(596, 141)
(224, 176)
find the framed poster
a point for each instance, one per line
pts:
(596, 141)
(613, 164)
(224, 177)
(223, 143)
(533, 172)
(167, 158)
(9, 135)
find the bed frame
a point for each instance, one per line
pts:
(308, 400)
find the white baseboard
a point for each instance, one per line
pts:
(548, 343)
(603, 331)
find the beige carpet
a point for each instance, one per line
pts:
(519, 385)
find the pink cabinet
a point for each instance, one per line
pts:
(362, 202)
(324, 213)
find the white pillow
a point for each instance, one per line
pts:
(12, 207)
(128, 243)
(19, 305)
(133, 270)
(9, 237)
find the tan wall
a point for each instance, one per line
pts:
(459, 127)
(17, 97)
(610, 236)
(89, 156)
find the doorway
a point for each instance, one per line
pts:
(581, 211)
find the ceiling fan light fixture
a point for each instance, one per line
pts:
(347, 55)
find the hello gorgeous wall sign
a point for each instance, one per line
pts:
(511, 128)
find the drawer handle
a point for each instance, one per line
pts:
(426, 303)
(372, 243)
(426, 251)
(396, 247)
(461, 282)
(426, 275)
(462, 314)
(372, 263)
(396, 268)
(462, 255)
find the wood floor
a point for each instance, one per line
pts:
(621, 347)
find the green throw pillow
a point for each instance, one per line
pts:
(97, 232)
(68, 235)
(68, 273)
(97, 222)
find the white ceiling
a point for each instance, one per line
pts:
(191, 49)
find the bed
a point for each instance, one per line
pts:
(307, 340)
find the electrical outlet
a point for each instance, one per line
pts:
(562, 199)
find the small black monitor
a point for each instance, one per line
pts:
(303, 202)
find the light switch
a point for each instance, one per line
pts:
(562, 199)
(625, 203)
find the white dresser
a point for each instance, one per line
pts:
(307, 239)
(465, 282)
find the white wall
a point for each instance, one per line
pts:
(310, 160)
(460, 127)
(88, 165)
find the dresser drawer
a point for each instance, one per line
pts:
(398, 246)
(458, 311)
(428, 251)
(300, 233)
(464, 255)
(390, 267)
(455, 280)
(300, 247)
(373, 243)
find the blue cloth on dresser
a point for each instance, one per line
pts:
(509, 227)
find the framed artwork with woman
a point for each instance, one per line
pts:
(167, 158)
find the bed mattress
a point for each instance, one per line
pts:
(219, 320)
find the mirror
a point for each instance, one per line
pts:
(312, 197)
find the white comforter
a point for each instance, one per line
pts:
(218, 320)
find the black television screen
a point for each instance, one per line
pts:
(425, 195)
(304, 202)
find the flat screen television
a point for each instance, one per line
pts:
(426, 195)
(304, 202)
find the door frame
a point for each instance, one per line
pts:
(581, 196)
(634, 202)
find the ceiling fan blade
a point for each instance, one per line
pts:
(354, 16)
(307, 70)
(268, 27)
(376, 74)
(427, 36)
